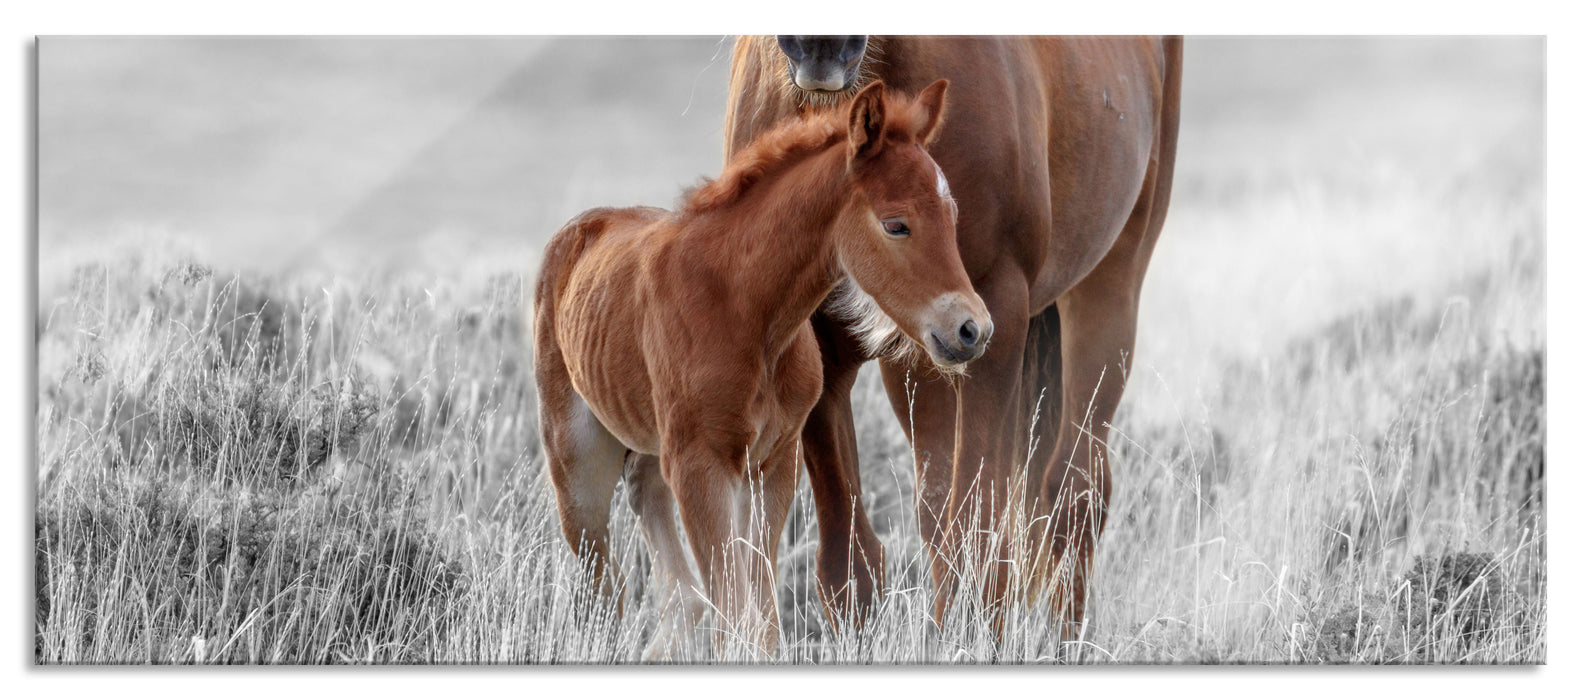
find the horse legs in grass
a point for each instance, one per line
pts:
(583, 458)
(850, 557)
(681, 595)
(964, 453)
(584, 462)
(1041, 400)
(768, 509)
(734, 516)
(1097, 331)
(1075, 486)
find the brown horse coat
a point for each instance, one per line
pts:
(685, 336)
(1060, 151)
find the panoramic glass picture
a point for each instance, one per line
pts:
(791, 350)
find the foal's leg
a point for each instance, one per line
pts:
(585, 467)
(584, 462)
(678, 586)
(772, 489)
(715, 498)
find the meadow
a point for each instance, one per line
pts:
(1332, 448)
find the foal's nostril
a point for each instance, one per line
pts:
(969, 333)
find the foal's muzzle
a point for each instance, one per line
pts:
(960, 330)
(823, 63)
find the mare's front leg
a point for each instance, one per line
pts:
(850, 557)
(964, 450)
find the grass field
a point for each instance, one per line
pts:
(1332, 448)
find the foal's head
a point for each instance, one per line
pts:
(896, 238)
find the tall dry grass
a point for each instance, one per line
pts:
(279, 469)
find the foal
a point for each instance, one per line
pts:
(676, 347)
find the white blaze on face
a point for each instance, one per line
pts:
(943, 186)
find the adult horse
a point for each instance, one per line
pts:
(1060, 152)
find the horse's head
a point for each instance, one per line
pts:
(823, 64)
(897, 239)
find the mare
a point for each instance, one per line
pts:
(674, 350)
(1061, 152)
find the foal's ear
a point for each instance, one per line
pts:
(932, 100)
(867, 122)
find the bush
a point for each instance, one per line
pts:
(1457, 597)
(247, 428)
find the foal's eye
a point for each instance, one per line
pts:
(897, 228)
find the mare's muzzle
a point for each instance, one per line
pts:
(823, 63)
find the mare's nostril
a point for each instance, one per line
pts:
(852, 49)
(969, 333)
(792, 47)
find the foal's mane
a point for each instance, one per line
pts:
(792, 142)
(767, 156)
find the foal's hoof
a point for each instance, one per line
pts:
(678, 635)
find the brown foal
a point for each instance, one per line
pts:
(674, 348)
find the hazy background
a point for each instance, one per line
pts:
(414, 151)
(1314, 175)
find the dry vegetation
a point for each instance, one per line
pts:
(264, 469)
(1332, 448)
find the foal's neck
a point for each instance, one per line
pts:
(780, 247)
